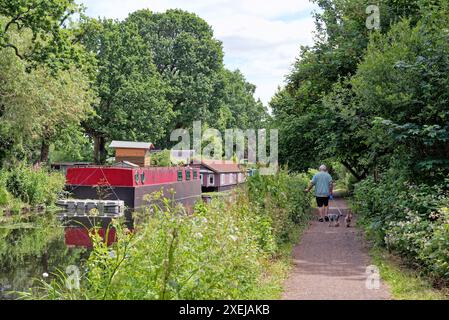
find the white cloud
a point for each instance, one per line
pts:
(260, 37)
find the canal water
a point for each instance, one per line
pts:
(32, 246)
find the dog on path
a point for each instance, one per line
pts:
(334, 219)
(348, 219)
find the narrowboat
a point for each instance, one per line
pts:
(128, 181)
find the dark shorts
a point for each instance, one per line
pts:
(322, 201)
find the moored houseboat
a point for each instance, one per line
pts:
(128, 182)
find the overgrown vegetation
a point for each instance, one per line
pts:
(226, 250)
(27, 187)
(409, 219)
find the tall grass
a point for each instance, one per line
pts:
(26, 186)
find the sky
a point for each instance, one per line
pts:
(261, 38)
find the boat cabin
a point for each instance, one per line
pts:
(220, 175)
(137, 153)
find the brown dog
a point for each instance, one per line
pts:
(348, 219)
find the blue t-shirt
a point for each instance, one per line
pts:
(322, 182)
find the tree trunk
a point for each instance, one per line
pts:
(352, 171)
(99, 150)
(45, 151)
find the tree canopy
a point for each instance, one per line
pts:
(67, 79)
(363, 96)
(162, 71)
(42, 96)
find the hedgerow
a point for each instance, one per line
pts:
(409, 219)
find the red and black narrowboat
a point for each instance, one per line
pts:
(127, 182)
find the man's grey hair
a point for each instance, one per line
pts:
(323, 168)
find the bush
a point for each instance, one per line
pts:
(34, 186)
(435, 251)
(280, 203)
(409, 219)
(5, 197)
(161, 159)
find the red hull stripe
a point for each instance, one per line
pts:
(79, 237)
(126, 177)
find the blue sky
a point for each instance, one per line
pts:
(260, 37)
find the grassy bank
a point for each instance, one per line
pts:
(23, 187)
(404, 282)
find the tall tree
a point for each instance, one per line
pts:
(189, 60)
(310, 131)
(48, 22)
(37, 105)
(401, 87)
(132, 94)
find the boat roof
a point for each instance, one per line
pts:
(221, 166)
(131, 145)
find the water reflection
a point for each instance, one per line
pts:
(31, 245)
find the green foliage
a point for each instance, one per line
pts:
(161, 159)
(162, 71)
(220, 251)
(410, 117)
(354, 97)
(281, 203)
(32, 186)
(39, 106)
(408, 219)
(153, 72)
(132, 94)
(51, 44)
(5, 196)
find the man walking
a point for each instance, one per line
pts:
(322, 181)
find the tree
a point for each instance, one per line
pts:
(132, 103)
(37, 105)
(51, 37)
(314, 123)
(402, 88)
(168, 69)
(188, 59)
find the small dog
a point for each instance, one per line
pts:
(348, 219)
(334, 219)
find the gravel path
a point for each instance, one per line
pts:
(330, 264)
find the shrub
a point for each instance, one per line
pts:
(435, 252)
(5, 197)
(409, 219)
(280, 202)
(34, 186)
(161, 159)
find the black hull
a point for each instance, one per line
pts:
(135, 199)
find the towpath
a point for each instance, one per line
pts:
(331, 263)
